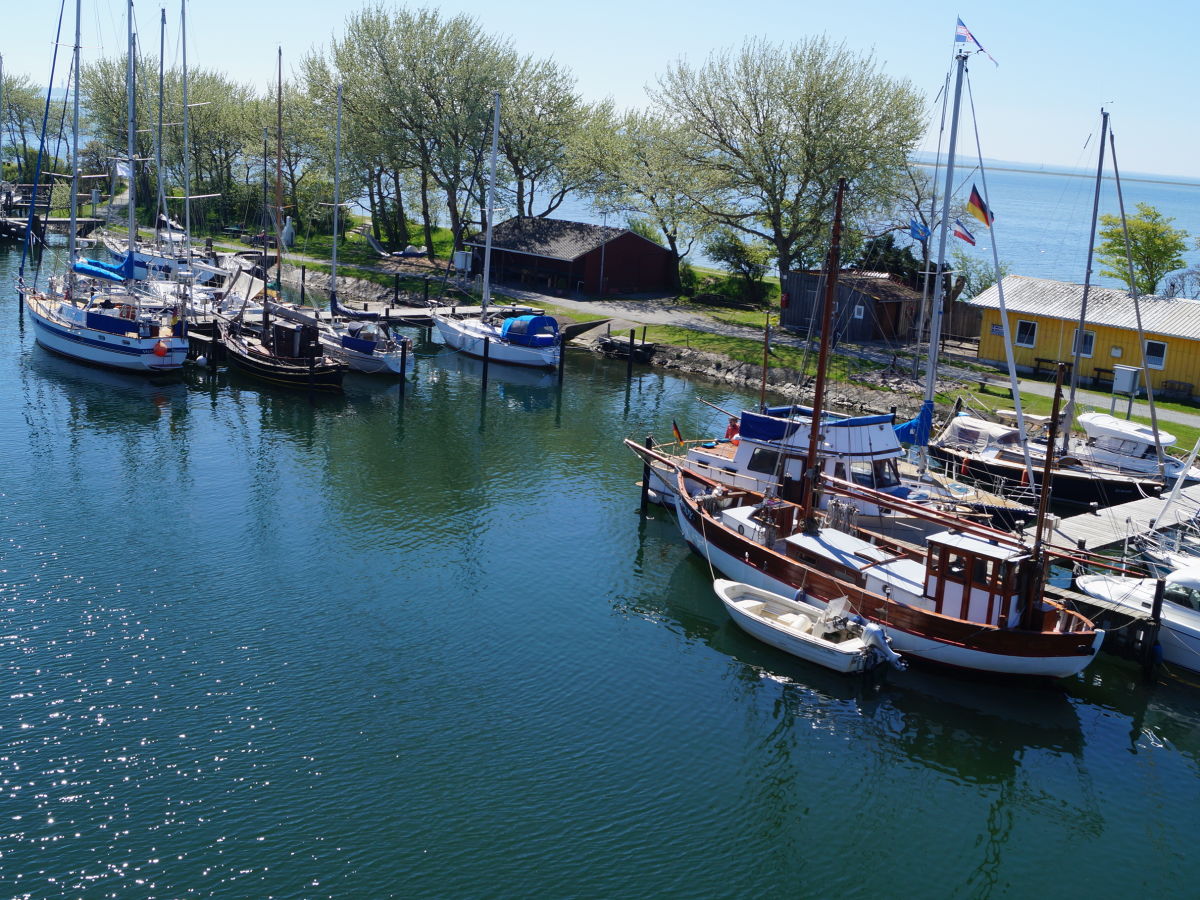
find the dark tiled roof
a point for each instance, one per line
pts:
(553, 238)
(1106, 306)
(878, 285)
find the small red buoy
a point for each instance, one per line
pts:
(160, 349)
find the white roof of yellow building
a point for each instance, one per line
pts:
(1023, 295)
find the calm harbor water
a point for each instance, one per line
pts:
(422, 646)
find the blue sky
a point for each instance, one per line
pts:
(1059, 61)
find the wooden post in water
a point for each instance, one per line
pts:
(562, 359)
(303, 273)
(396, 291)
(646, 478)
(426, 290)
(403, 365)
(629, 362)
(487, 347)
(1150, 645)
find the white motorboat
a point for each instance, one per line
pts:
(832, 637)
(1127, 447)
(1179, 635)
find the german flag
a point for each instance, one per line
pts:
(675, 430)
(977, 208)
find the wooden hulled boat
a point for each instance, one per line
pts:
(286, 354)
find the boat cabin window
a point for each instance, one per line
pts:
(962, 568)
(1183, 595)
(763, 460)
(881, 474)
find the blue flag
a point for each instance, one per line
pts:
(918, 231)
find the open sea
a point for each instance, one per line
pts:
(420, 644)
(1043, 216)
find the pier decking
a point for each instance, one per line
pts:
(1105, 527)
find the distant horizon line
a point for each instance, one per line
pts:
(927, 159)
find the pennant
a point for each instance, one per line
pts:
(960, 231)
(678, 434)
(977, 208)
(918, 231)
(962, 34)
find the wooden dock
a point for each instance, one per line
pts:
(1106, 527)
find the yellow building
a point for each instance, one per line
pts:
(1043, 317)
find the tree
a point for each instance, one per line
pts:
(749, 261)
(1155, 247)
(976, 275)
(639, 167)
(880, 254)
(771, 129)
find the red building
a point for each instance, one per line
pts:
(559, 257)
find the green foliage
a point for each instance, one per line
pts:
(1155, 247)
(768, 129)
(880, 254)
(977, 274)
(688, 279)
(746, 260)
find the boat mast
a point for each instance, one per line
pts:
(158, 166)
(187, 170)
(71, 237)
(491, 208)
(279, 176)
(1137, 310)
(935, 310)
(1035, 586)
(832, 265)
(131, 120)
(1087, 282)
(337, 198)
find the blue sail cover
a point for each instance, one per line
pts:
(530, 331)
(916, 431)
(96, 269)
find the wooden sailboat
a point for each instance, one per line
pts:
(973, 598)
(521, 340)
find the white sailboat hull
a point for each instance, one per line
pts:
(471, 336)
(59, 328)
(391, 362)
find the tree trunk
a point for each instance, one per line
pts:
(426, 215)
(401, 219)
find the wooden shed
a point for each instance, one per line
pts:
(870, 306)
(1043, 317)
(560, 257)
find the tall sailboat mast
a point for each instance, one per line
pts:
(337, 198)
(187, 148)
(833, 265)
(158, 166)
(131, 114)
(71, 237)
(491, 207)
(279, 174)
(1087, 283)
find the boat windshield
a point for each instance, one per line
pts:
(1182, 595)
(881, 474)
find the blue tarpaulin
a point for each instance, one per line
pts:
(530, 331)
(916, 431)
(96, 269)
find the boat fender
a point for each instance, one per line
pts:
(741, 529)
(801, 595)
(160, 349)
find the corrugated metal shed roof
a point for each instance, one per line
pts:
(1173, 317)
(551, 238)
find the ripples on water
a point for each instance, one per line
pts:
(255, 646)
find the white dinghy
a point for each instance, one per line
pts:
(832, 637)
